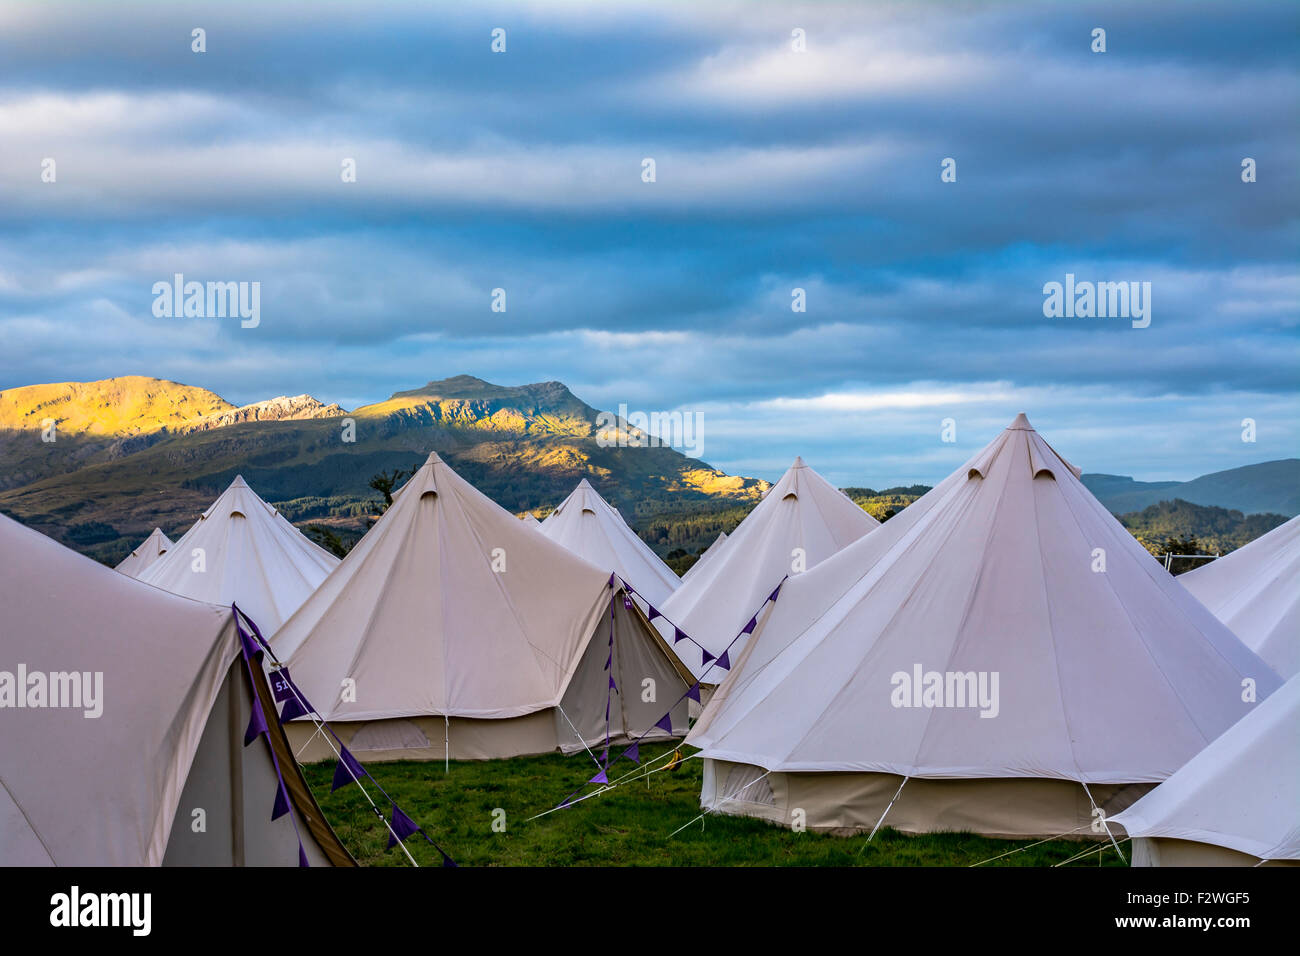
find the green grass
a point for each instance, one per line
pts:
(628, 826)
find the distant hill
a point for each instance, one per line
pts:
(1215, 530)
(1267, 487)
(132, 453)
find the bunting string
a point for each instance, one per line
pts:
(399, 825)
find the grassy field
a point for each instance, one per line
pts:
(628, 826)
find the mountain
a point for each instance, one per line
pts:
(1267, 487)
(132, 453)
(1215, 530)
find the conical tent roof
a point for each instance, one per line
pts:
(149, 551)
(99, 791)
(448, 606)
(1255, 590)
(530, 519)
(801, 511)
(710, 552)
(587, 525)
(250, 555)
(1106, 670)
(1240, 792)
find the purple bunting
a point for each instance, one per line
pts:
(611, 579)
(609, 660)
(346, 763)
(724, 661)
(772, 596)
(401, 826)
(302, 856)
(694, 692)
(612, 685)
(281, 685)
(633, 753)
(654, 613)
(281, 803)
(256, 723)
(599, 778)
(292, 710)
(678, 634)
(246, 639)
(707, 656)
(448, 861)
(607, 711)
(749, 628)
(665, 723)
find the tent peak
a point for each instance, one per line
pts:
(239, 482)
(798, 462)
(433, 459)
(1021, 424)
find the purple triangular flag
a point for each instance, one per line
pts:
(249, 644)
(607, 709)
(694, 692)
(611, 579)
(281, 685)
(749, 628)
(346, 763)
(256, 723)
(292, 710)
(612, 685)
(678, 635)
(401, 826)
(281, 803)
(707, 656)
(302, 856)
(448, 861)
(724, 661)
(609, 660)
(600, 777)
(772, 596)
(633, 753)
(654, 612)
(665, 723)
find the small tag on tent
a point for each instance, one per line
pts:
(707, 656)
(342, 776)
(749, 628)
(281, 803)
(292, 710)
(302, 856)
(694, 692)
(654, 612)
(678, 635)
(633, 753)
(627, 601)
(401, 827)
(281, 688)
(599, 778)
(724, 661)
(256, 723)
(665, 723)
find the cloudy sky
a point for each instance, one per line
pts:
(775, 169)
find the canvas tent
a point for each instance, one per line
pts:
(710, 552)
(123, 788)
(587, 525)
(1236, 803)
(1255, 590)
(802, 520)
(1008, 591)
(453, 631)
(530, 519)
(149, 551)
(241, 550)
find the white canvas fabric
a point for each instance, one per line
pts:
(1113, 676)
(710, 552)
(451, 607)
(530, 519)
(149, 551)
(252, 556)
(1255, 590)
(802, 510)
(589, 527)
(100, 791)
(1241, 792)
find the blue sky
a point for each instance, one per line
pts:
(775, 169)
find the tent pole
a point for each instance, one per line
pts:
(446, 744)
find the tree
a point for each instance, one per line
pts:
(384, 483)
(328, 540)
(1182, 545)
